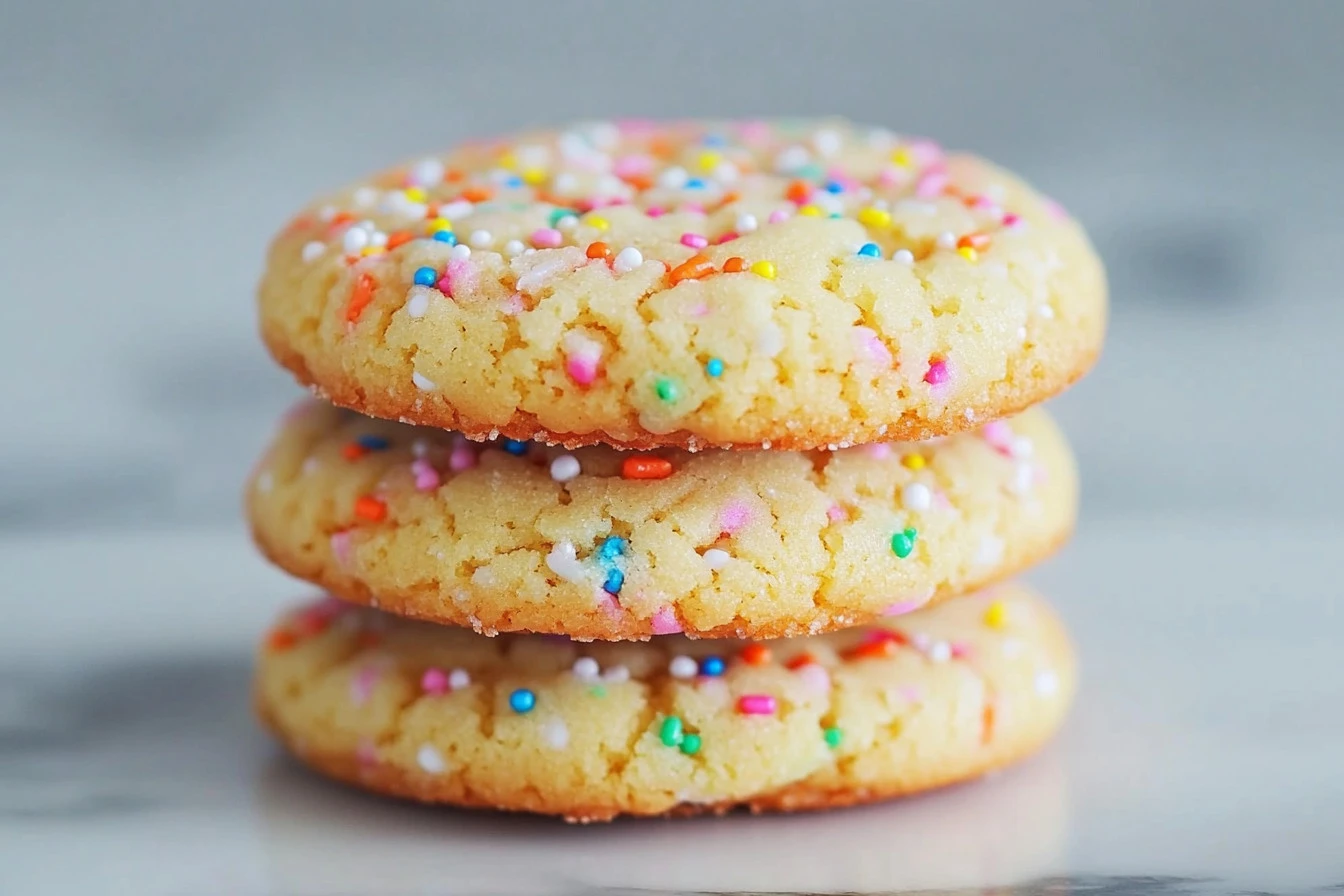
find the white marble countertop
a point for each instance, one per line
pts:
(1203, 755)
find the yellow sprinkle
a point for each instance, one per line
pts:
(764, 269)
(913, 462)
(996, 615)
(708, 160)
(533, 176)
(415, 194)
(508, 161)
(968, 253)
(437, 224)
(811, 211)
(874, 217)
(598, 221)
(372, 250)
(901, 157)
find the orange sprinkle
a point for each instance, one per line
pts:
(598, 250)
(398, 238)
(870, 650)
(360, 297)
(302, 222)
(313, 624)
(477, 194)
(735, 265)
(646, 468)
(987, 724)
(281, 639)
(370, 508)
(639, 181)
(693, 268)
(453, 175)
(354, 451)
(973, 241)
(339, 219)
(798, 192)
(730, 197)
(755, 654)
(801, 660)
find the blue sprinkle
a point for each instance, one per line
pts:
(515, 447)
(513, 181)
(522, 700)
(714, 140)
(834, 186)
(426, 276)
(712, 666)
(695, 183)
(373, 443)
(714, 367)
(615, 579)
(446, 236)
(613, 546)
(870, 250)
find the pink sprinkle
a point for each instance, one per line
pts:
(434, 681)
(940, 500)
(733, 517)
(1011, 220)
(462, 458)
(341, 547)
(902, 607)
(879, 450)
(426, 477)
(960, 650)
(931, 184)
(459, 277)
(777, 216)
(664, 622)
(890, 177)
(655, 211)
(582, 368)
(547, 238)
(926, 153)
(727, 238)
(910, 692)
(998, 435)
(754, 131)
(514, 304)
(815, 677)
(872, 346)
(699, 310)
(694, 240)
(938, 373)
(1055, 210)
(361, 686)
(835, 513)
(756, 705)
(632, 166)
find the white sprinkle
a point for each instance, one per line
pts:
(265, 482)
(483, 576)
(1024, 477)
(426, 172)
(616, 674)
(947, 240)
(554, 732)
(916, 496)
(431, 760)
(514, 247)
(904, 256)
(1047, 683)
(564, 468)
(460, 252)
(716, 558)
(990, 550)
(726, 172)
(422, 382)
(627, 260)
(770, 340)
(1046, 311)
(480, 239)
(940, 651)
(419, 447)
(827, 142)
(1022, 447)
(563, 561)
(365, 197)
(377, 238)
(313, 251)
(683, 667)
(326, 213)
(418, 304)
(586, 669)
(566, 182)
(458, 208)
(745, 223)
(459, 679)
(673, 178)
(791, 159)
(1021, 334)
(355, 239)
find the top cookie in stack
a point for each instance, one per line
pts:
(796, 285)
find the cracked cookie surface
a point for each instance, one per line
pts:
(787, 284)
(604, 544)
(591, 731)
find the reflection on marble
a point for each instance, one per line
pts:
(1203, 756)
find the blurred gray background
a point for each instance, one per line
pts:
(149, 150)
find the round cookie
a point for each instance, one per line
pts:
(789, 284)
(607, 544)
(544, 724)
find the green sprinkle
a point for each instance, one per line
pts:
(671, 732)
(690, 744)
(598, 690)
(667, 389)
(558, 213)
(833, 737)
(904, 542)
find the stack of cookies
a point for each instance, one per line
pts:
(672, 468)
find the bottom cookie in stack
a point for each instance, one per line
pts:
(590, 731)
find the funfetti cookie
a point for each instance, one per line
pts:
(790, 284)
(608, 544)
(544, 724)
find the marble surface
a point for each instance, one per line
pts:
(1203, 756)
